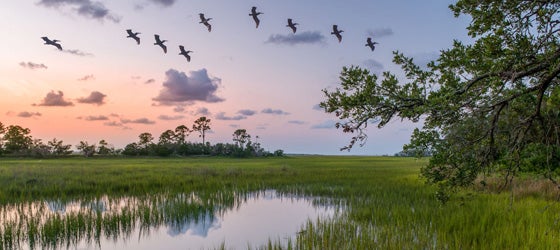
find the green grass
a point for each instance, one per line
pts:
(388, 206)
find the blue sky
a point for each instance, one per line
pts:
(266, 79)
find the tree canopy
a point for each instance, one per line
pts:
(493, 104)
(202, 125)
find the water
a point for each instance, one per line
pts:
(177, 222)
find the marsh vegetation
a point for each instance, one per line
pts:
(188, 221)
(385, 204)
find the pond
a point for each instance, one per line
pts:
(165, 221)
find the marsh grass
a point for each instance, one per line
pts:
(39, 226)
(56, 225)
(386, 205)
(521, 187)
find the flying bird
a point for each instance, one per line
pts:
(255, 14)
(371, 44)
(133, 35)
(160, 43)
(337, 32)
(185, 52)
(204, 21)
(292, 25)
(52, 42)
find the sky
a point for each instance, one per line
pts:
(264, 79)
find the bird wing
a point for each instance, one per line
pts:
(46, 39)
(335, 28)
(57, 46)
(133, 35)
(157, 38)
(257, 21)
(369, 40)
(182, 48)
(164, 48)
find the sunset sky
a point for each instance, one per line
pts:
(102, 85)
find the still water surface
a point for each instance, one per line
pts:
(252, 221)
(269, 216)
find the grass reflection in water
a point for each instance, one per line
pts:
(57, 224)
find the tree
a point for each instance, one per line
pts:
(483, 105)
(202, 125)
(104, 148)
(39, 149)
(240, 137)
(167, 137)
(59, 148)
(87, 150)
(166, 145)
(145, 143)
(131, 149)
(181, 133)
(256, 146)
(17, 139)
(145, 139)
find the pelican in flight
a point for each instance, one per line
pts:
(52, 42)
(204, 21)
(160, 43)
(371, 44)
(255, 14)
(337, 32)
(292, 25)
(133, 35)
(185, 52)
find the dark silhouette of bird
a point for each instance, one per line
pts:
(292, 25)
(52, 42)
(160, 43)
(204, 21)
(185, 52)
(337, 32)
(371, 44)
(255, 15)
(133, 35)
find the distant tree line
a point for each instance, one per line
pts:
(413, 153)
(17, 141)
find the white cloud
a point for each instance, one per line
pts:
(86, 8)
(307, 37)
(179, 88)
(274, 111)
(95, 97)
(32, 65)
(54, 99)
(222, 116)
(26, 114)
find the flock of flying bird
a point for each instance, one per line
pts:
(205, 21)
